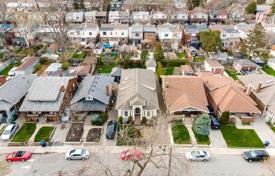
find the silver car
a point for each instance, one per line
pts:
(197, 155)
(77, 154)
(9, 131)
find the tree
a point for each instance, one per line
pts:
(210, 40)
(143, 57)
(158, 53)
(225, 118)
(202, 125)
(273, 7)
(251, 7)
(65, 65)
(160, 69)
(191, 4)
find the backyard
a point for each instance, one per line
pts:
(268, 70)
(44, 133)
(180, 134)
(241, 137)
(24, 133)
(169, 70)
(232, 73)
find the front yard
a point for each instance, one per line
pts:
(232, 73)
(180, 134)
(24, 133)
(268, 70)
(271, 126)
(202, 139)
(44, 133)
(241, 137)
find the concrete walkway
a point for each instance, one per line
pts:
(263, 131)
(216, 139)
(192, 135)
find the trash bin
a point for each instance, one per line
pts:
(43, 143)
(266, 143)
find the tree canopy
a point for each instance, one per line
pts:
(251, 7)
(210, 40)
(158, 53)
(202, 125)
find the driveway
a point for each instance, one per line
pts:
(217, 139)
(263, 131)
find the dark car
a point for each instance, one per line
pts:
(111, 129)
(255, 155)
(215, 122)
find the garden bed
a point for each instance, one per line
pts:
(75, 133)
(129, 135)
(44, 133)
(241, 137)
(180, 134)
(24, 133)
(202, 139)
(94, 135)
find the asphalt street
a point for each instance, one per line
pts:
(100, 164)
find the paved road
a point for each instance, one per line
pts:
(56, 165)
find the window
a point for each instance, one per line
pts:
(122, 33)
(166, 35)
(137, 34)
(90, 33)
(148, 113)
(126, 113)
(104, 33)
(111, 33)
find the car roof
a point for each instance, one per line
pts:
(200, 152)
(261, 152)
(9, 126)
(78, 151)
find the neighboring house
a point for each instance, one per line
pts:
(187, 70)
(122, 17)
(116, 73)
(12, 94)
(180, 17)
(90, 17)
(53, 70)
(136, 34)
(261, 87)
(236, 12)
(114, 33)
(159, 17)
(271, 63)
(47, 98)
(213, 66)
(244, 29)
(224, 94)
(101, 17)
(244, 65)
(151, 63)
(93, 95)
(27, 67)
(75, 17)
(149, 34)
(191, 34)
(170, 35)
(137, 95)
(140, 17)
(84, 33)
(184, 96)
(218, 16)
(198, 15)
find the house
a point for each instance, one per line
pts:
(12, 94)
(151, 63)
(244, 29)
(84, 33)
(137, 95)
(136, 34)
(187, 70)
(140, 17)
(184, 96)
(114, 33)
(116, 74)
(170, 35)
(159, 17)
(224, 94)
(191, 34)
(198, 15)
(27, 67)
(222, 57)
(122, 17)
(75, 17)
(181, 17)
(53, 70)
(244, 65)
(101, 17)
(217, 16)
(236, 12)
(47, 98)
(149, 34)
(271, 63)
(213, 66)
(261, 87)
(90, 17)
(93, 95)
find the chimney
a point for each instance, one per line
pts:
(62, 89)
(107, 90)
(166, 84)
(248, 90)
(258, 88)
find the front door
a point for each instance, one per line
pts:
(137, 112)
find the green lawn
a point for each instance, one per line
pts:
(241, 137)
(169, 70)
(24, 133)
(180, 134)
(268, 70)
(198, 59)
(43, 134)
(181, 55)
(202, 139)
(105, 68)
(271, 126)
(6, 70)
(232, 73)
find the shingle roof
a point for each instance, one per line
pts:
(245, 63)
(137, 85)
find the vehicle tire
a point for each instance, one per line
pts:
(204, 160)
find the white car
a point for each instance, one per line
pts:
(77, 154)
(9, 131)
(197, 155)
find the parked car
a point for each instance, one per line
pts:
(197, 155)
(77, 154)
(111, 129)
(18, 156)
(9, 131)
(255, 155)
(215, 122)
(132, 154)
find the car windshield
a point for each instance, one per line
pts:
(253, 154)
(72, 151)
(83, 152)
(7, 132)
(19, 154)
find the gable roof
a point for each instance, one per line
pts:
(182, 92)
(214, 63)
(137, 85)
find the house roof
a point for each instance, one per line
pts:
(228, 95)
(137, 86)
(214, 63)
(29, 62)
(14, 89)
(45, 94)
(245, 63)
(110, 27)
(187, 69)
(184, 92)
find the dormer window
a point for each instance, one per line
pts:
(89, 98)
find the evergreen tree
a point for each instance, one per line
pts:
(202, 125)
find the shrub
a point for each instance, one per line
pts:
(225, 118)
(120, 120)
(37, 67)
(202, 125)
(65, 65)
(103, 117)
(144, 120)
(130, 119)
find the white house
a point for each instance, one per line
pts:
(114, 33)
(159, 17)
(198, 15)
(90, 17)
(136, 34)
(74, 17)
(119, 17)
(170, 34)
(137, 95)
(140, 16)
(180, 17)
(243, 29)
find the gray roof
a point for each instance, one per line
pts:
(45, 94)
(137, 87)
(110, 27)
(245, 63)
(94, 87)
(14, 90)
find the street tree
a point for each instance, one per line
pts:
(202, 125)
(210, 40)
(251, 7)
